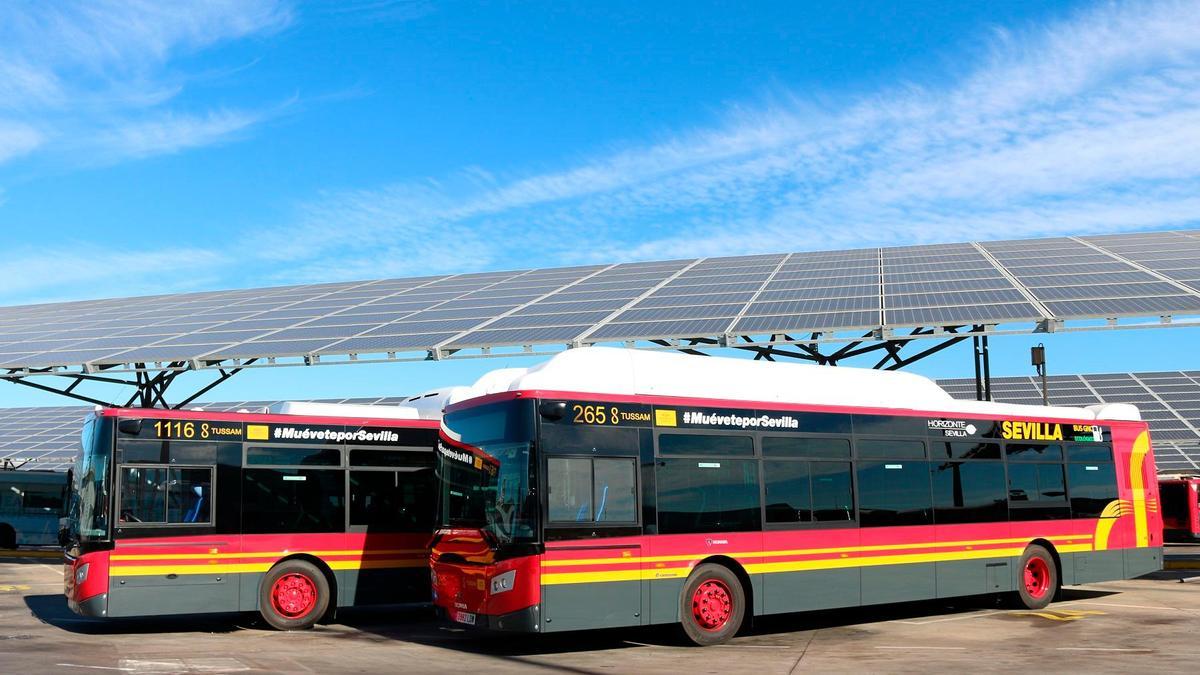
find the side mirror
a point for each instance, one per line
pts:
(130, 427)
(553, 410)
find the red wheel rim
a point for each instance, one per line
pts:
(293, 595)
(1037, 577)
(712, 604)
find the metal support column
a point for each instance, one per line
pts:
(987, 370)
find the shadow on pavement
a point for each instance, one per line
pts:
(53, 610)
(417, 626)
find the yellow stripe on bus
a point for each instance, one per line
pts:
(650, 574)
(239, 568)
(265, 554)
(1137, 478)
(807, 551)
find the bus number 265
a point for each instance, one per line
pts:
(595, 414)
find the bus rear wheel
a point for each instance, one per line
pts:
(1037, 579)
(712, 605)
(294, 595)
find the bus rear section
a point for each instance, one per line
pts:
(288, 515)
(31, 503)
(566, 511)
(1179, 496)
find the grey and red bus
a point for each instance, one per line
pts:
(607, 489)
(1180, 499)
(288, 515)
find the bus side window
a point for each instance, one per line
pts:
(143, 495)
(707, 495)
(969, 492)
(1092, 486)
(802, 492)
(592, 490)
(894, 492)
(189, 496)
(570, 482)
(160, 494)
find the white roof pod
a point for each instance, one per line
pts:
(1116, 411)
(426, 406)
(608, 370)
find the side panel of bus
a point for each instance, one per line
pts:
(588, 583)
(1139, 493)
(362, 519)
(30, 505)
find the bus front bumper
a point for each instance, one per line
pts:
(527, 620)
(96, 606)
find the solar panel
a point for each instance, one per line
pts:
(1174, 427)
(1026, 284)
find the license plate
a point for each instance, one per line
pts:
(465, 617)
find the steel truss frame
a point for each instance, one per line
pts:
(151, 381)
(785, 346)
(149, 386)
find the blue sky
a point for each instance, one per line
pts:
(163, 147)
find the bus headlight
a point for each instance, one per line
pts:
(504, 582)
(81, 573)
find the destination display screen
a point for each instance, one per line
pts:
(269, 432)
(596, 413)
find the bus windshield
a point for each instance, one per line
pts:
(485, 467)
(90, 498)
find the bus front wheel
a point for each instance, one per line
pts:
(1037, 579)
(294, 595)
(712, 606)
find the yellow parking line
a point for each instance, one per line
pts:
(1062, 614)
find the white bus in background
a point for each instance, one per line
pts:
(31, 502)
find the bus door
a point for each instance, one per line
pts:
(165, 529)
(392, 493)
(970, 503)
(592, 570)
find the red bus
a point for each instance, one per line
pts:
(290, 515)
(1180, 495)
(610, 488)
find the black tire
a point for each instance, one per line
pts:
(1037, 578)
(294, 595)
(8, 536)
(712, 605)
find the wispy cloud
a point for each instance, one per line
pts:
(170, 132)
(17, 139)
(103, 272)
(1090, 124)
(76, 73)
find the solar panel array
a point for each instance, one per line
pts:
(762, 296)
(47, 438)
(1169, 402)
